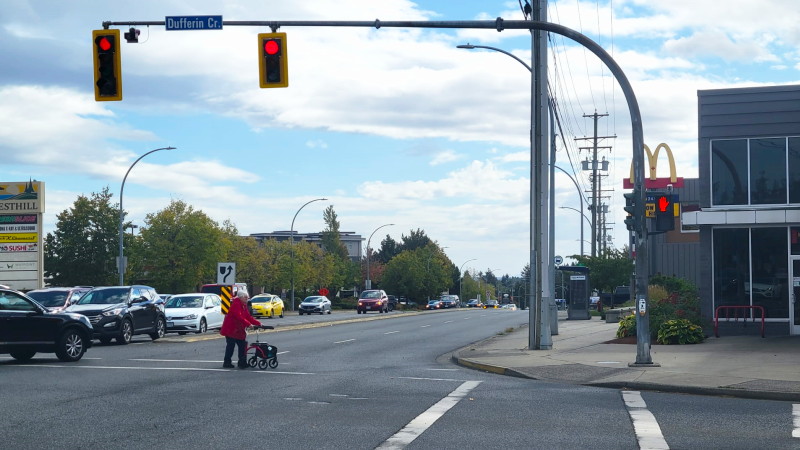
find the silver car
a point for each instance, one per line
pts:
(316, 304)
(193, 312)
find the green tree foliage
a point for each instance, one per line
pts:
(180, 248)
(389, 249)
(408, 275)
(250, 259)
(416, 239)
(609, 269)
(331, 241)
(85, 243)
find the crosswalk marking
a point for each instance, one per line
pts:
(796, 420)
(648, 433)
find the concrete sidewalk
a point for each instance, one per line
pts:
(739, 366)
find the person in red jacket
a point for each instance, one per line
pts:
(233, 328)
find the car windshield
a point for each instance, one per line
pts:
(473, 301)
(433, 302)
(313, 300)
(370, 294)
(195, 301)
(50, 298)
(105, 297)
(261, 299)
(449, 297)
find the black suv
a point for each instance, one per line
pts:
(392, 302)
(26, 327)
(120, 312)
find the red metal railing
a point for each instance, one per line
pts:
(736, 309)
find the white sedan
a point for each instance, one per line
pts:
(193, 312)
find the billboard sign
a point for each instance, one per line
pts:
(21, 237)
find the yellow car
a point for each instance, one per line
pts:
(266, 305)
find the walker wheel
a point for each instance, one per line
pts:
(273, 363)
(253, 361)
(262, 364)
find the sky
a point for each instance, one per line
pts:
(390, 125)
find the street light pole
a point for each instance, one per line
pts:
(368, 284)
(121, 263)
(427, 270)
(291, 242)
(584, 216)
(461, 279)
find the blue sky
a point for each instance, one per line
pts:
(391, 125)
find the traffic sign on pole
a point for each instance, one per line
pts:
(226, 273)
(559, 260)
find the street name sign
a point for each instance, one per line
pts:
(183, 23)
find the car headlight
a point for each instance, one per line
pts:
(190, 317)
(360, 304)
(113, 312)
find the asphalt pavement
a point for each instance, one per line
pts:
(370, 384)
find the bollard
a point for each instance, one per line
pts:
(553, 311)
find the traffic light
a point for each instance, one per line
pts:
(273, 63)
(665, 213)
(107, 68)
(630, 207)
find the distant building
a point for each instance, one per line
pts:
(350, 239)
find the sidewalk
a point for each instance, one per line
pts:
(739, 366)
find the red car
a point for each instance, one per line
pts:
(373, 300)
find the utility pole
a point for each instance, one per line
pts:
(594, 167)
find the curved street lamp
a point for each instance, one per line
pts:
(121, 264)
(461, 278)
(291, 242)
(584, 216)
(368, 284)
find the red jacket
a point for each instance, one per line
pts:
(237, 319)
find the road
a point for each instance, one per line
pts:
(371, 384)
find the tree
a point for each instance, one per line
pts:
(407, 274)
(331, 240)
(180, 249)
(389, 249)
(609, 269)
(416, 239)
(85, 244)
(250, 259)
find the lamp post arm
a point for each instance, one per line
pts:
(504, 52)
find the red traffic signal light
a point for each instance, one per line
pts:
(107, 67)
(273, 66)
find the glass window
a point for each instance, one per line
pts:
(770, 284)
(105, 297)
(689, 207)
(794, 170)
(13, 302)
(767, 171)
(731, 267)
(794, 236)
(50, 299)
(729, 172)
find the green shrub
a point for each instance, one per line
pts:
(680, 331)
(627, 327)
(657, 292)
(345, 303)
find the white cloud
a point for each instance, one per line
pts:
(317, 144)
(779, 67)
(445, 157)
(717, 43)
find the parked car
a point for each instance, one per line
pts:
(373, 300)
(27, 328)
(267, 305)
(434, 304)
(193, 312)
(120, 312)
(316, 304)
(449, 301)
(392, 302)
(510, 306)
(474, 303)
(58, 298)
(491, 304)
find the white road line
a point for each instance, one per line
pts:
(338, 395)
(467, 318)
(796, 420)
(424, 421)
(189, 369)
(9, 357)
(648, 433)
(428, 379)
(448, 321)
(425, 326)
(282, 353)
(283, 373)
(177, 360)
(445, 370)
(392, 332)
(346, 340)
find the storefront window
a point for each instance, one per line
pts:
(794, 240)
(794, 170)
(729, 172)
(770, 284)
(731, 266)
(767, 171)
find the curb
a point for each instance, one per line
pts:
(304, 326)
(499, 370)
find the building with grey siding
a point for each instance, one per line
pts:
(350, 239)
(749, 190)
(675, 253)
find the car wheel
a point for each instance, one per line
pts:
(281, 316)
(71, 346)
(125, 333)
(329, 311)
(300, 313)
(22, 355)
(161, 329)
(105, 341)
(203, 327)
